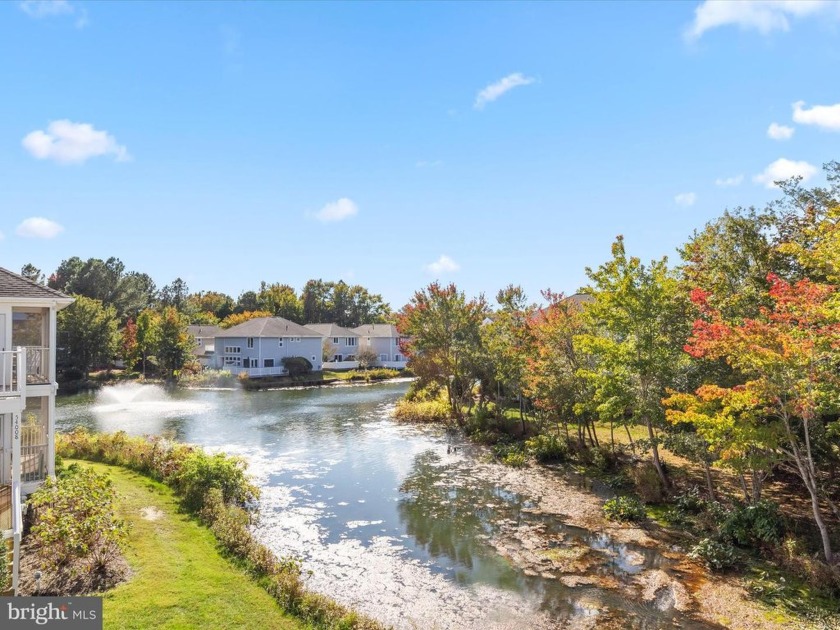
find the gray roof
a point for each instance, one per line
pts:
(13, 285)
(204, 332)
(273, 327)
(377, 330)
(332, 330)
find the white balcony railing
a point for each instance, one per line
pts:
(256, 372)
(17, 531)
(12, 365)
(37, 365)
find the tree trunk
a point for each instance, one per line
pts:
(657, 463)
(612, 435)
(630, 437)
(709, 485)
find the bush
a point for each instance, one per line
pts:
(647, 483)
(690, 501)
(296, 366)
(422, 410)
(548, 448)
(624, 509)
(5, 572)
(753, 525)
(209, 378)
(714, 554)
(74, 523)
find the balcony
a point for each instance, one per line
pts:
(12, 365)
(37, 365)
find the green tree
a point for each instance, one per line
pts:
(638, 323)
(148, 335)
(444, 340)
(281, 300)
(31, 272)
(175, 343)
(89, 330)
(507, 339)
(175, 294)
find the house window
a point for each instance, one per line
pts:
(250, 342)
(351, 341)
(233, 349)
(313, 358)
(335, 340)
(235, 361)
(280, 342)
(397, 357)
(295, 339)
(383, 357)
(337, 357)
(268, 363)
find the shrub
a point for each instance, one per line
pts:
(548, 448)
(5, 572)
(199, 473)
(714, 554)
(422, 410)
(690, 501)
(647, 483)
(624, 509)
(752, 525)
(516, 459)
(74, 523)
(296, 366)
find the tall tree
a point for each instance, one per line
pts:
(638, 322)
(507, 339)
(148, 335)
(175, 294)
(174, 344)
(31, 272)
(444, 339)
(89, 330)
(281, 300)
(789, 356)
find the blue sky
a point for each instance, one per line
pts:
(391, 144)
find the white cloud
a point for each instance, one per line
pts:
(339, 210)
(497, 89)
(729, 181)
(45, 8)
(443, 265)
(39, 9)
(783, 169)
(764, 16)
(779, 132)
(68, 142)
(824, 116)
(39, 227)
(686, 199)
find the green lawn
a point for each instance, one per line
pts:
(180, 580)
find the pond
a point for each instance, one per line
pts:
(408, 524)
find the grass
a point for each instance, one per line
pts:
(339, 375)
(180, 579)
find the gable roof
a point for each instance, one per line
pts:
(205, 332)
(377, 330)
(13, 285)
(274, 327)
(332, 330)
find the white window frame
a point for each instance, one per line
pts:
(351, 341)
(250, 342)
(280, 342)
(383, 357)
(233, 350)
(335, 340)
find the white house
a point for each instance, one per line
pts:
(342, 343)
(27, 396)
(384, 339)
(258, 346)
(205, 343)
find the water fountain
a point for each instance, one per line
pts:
(139, 408)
